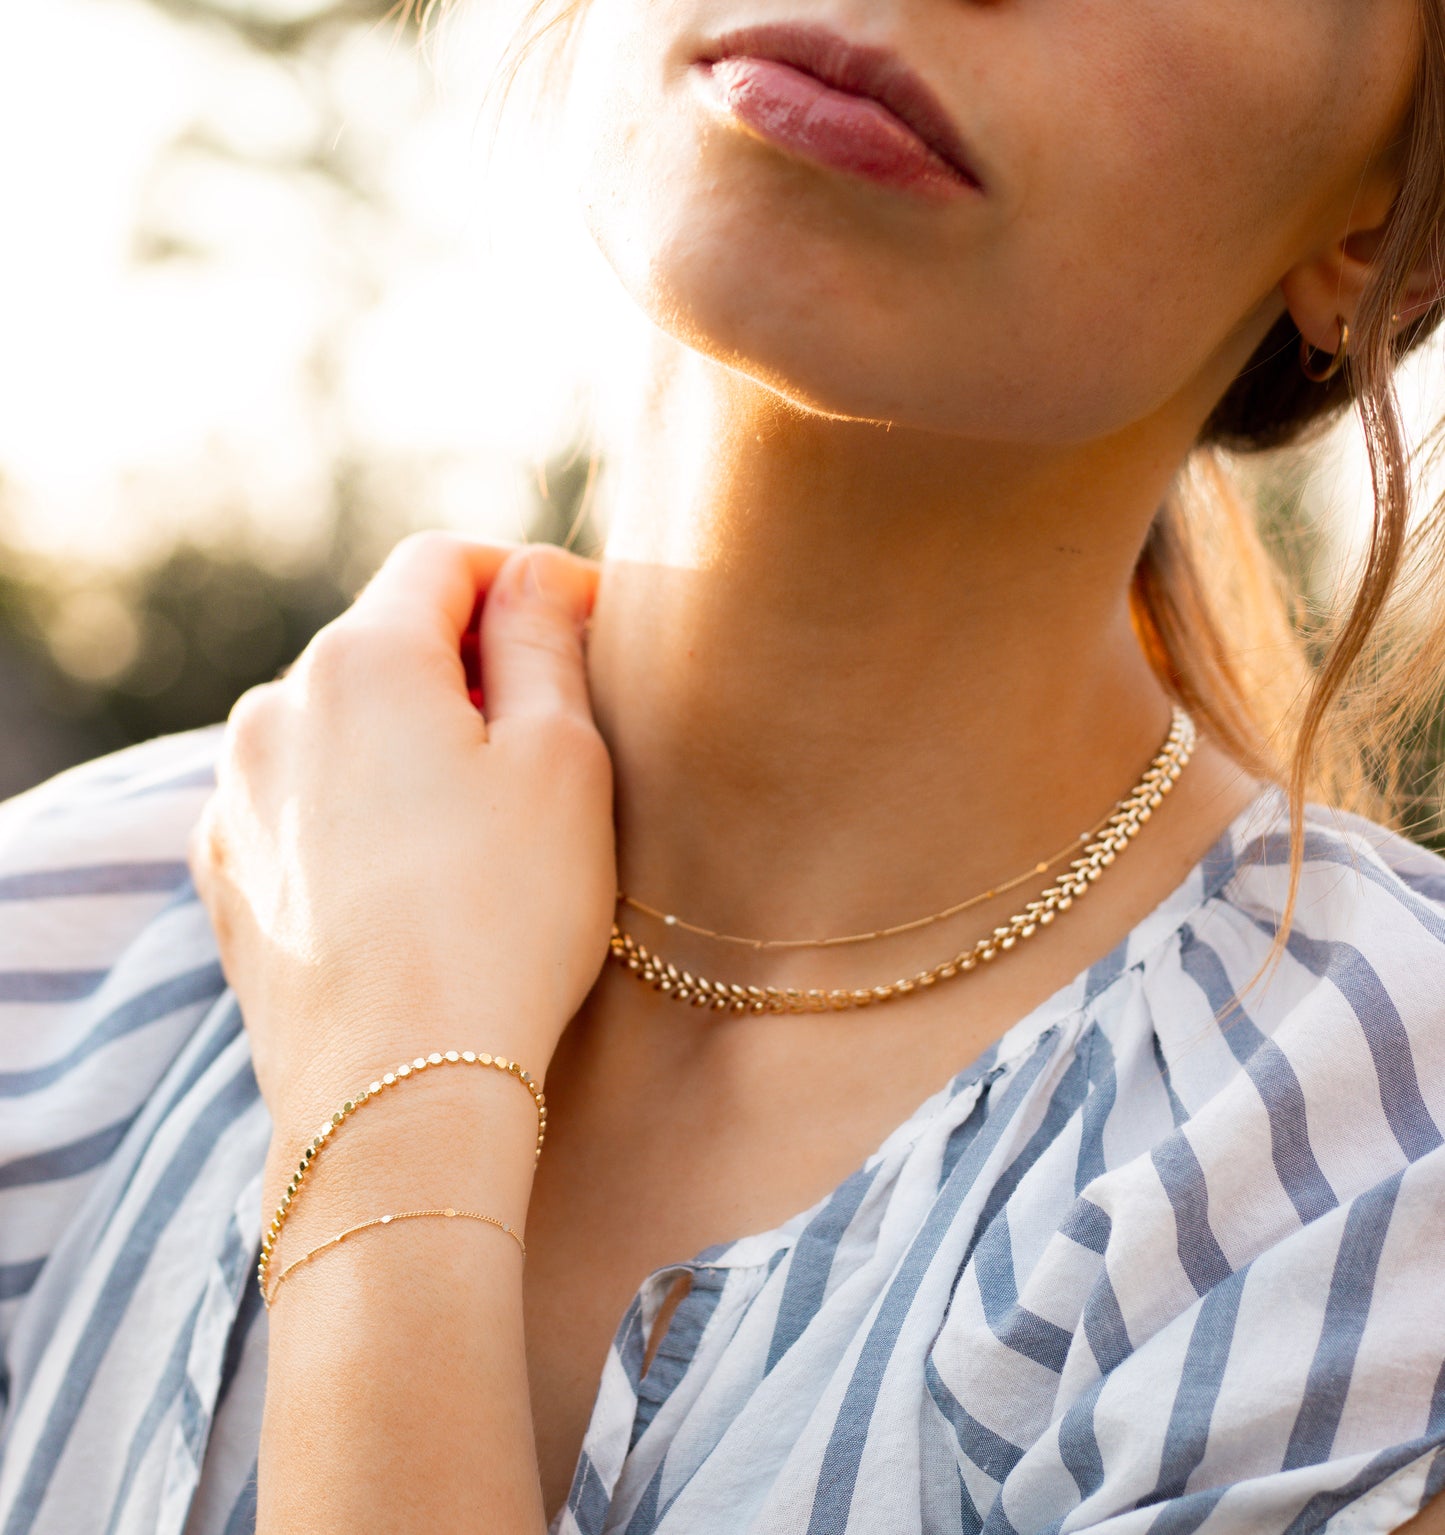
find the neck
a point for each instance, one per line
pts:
(850, 674)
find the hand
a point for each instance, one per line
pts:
(389, 873)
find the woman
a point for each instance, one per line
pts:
(1124, 1215)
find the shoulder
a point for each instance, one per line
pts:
(1356, 991)
(1302, 1063)
(98, 914)
(107, 964)
(96, 900)
(131, 1130)
(93, 857)
(1232, 1222)
(137, 803)
(1307, 1056)
(1362, 887)
(1350, 981)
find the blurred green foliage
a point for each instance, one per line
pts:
(181, 638)
(93, 660)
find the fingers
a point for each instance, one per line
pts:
(425, 596)
(532, 659)
(428, 586)
(412, 620)
(203, 851)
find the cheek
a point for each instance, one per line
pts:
(1164, 169)
(1199, 169)
(760, 271)
(1200, 144)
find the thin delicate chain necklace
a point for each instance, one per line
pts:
(1115, 833)
(1042, 867)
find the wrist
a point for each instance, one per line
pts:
(459, 1133)
(336, 1083)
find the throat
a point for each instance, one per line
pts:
(848, 675)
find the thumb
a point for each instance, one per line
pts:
(531, 634)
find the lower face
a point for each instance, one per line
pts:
(1145, 177)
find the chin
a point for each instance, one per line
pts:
(734, 281)
(850, 309)
(807, 324)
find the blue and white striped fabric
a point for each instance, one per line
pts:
(1153, 1264)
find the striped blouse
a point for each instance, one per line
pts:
(1156, 1262)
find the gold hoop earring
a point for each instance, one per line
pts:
(1317, 375)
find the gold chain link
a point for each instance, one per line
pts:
(1116, 832)
(848, 939)
(387, 1080)
(385, 1220)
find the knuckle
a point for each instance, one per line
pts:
(198, 846)
(572, 746)
(543, 572)
(206, 850)
(539, 630)
(547, 559)
(427, 543)
(320, 657)
(251, 720)
(251, 706)
(339, 655)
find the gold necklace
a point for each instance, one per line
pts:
(884, 932)
(1115, 833)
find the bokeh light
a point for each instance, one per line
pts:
(269, 297)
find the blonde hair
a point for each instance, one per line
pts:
(1321, 704)
(1334, 724)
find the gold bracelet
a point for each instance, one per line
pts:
(400, 1073)
(385, 1220)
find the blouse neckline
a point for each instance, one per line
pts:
(1066, 1006)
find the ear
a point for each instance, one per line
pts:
(1329, 286)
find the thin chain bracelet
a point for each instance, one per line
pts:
(385, 1220)
(1117, 831)
(400, 1073)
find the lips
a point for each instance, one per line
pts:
(855, 69)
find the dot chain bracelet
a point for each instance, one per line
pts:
(400, 1073)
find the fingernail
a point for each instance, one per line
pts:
(538, 581)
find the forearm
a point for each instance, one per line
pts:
(397, 1395)
(384, 868)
